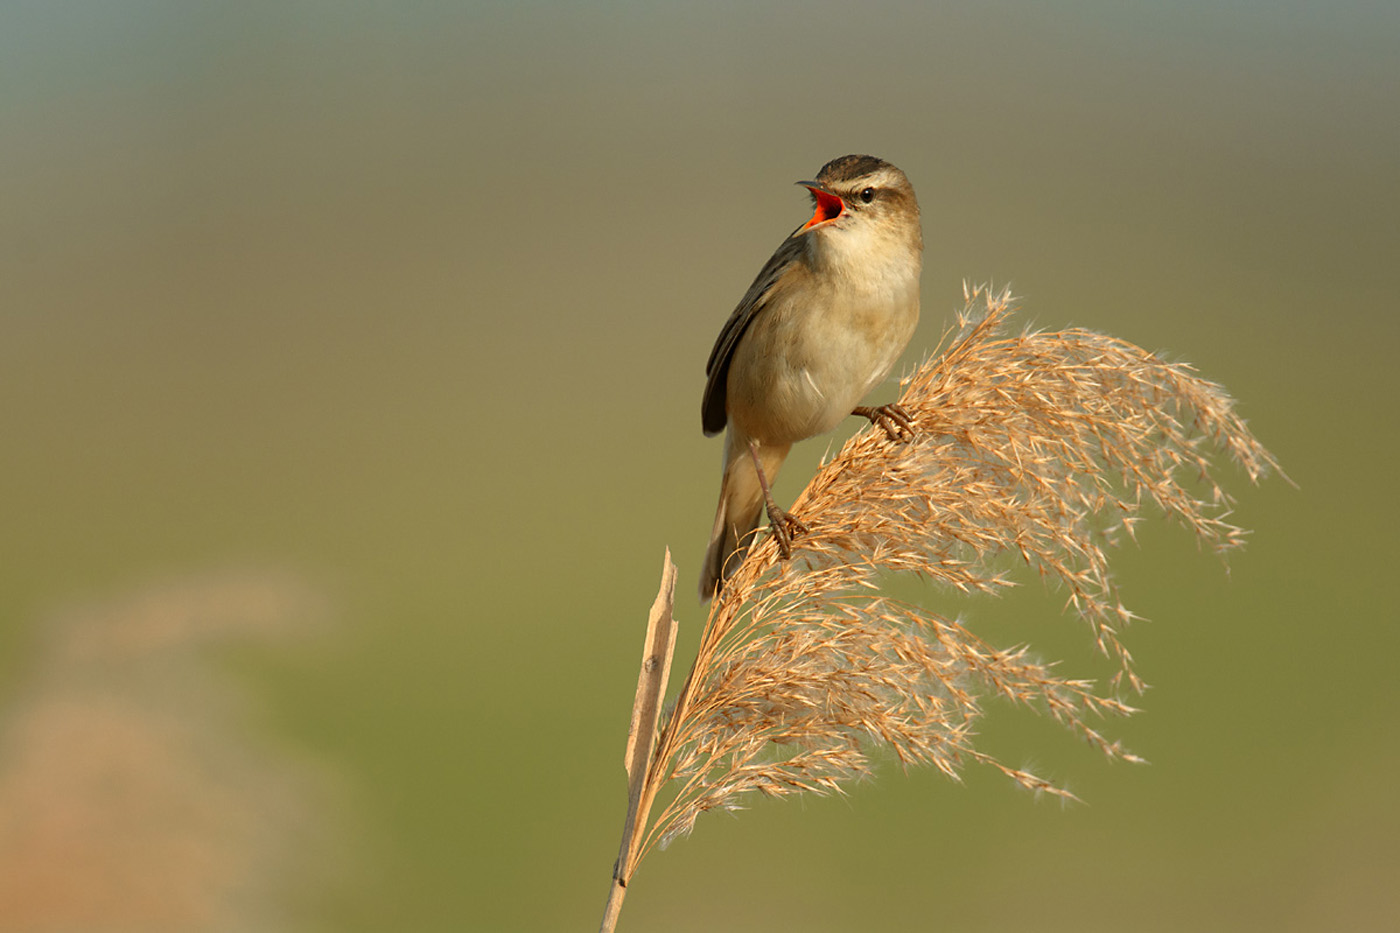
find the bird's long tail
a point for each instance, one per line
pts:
(740, 507)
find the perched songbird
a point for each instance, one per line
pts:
(821, 325)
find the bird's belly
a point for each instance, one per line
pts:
(798, 372)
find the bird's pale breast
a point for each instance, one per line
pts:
(816, 351)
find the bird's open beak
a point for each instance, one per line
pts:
(829, 206)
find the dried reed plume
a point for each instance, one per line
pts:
(1040, 445)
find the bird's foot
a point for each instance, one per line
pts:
(784, 527)
(894, 419)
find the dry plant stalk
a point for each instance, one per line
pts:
(1042, 445)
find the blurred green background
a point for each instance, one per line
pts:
(385, 325)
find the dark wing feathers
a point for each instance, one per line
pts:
(712, 407)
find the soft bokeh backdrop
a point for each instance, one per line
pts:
(385, 325)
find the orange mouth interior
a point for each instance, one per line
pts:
(829, 207)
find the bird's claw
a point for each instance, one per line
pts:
(894, 419)
(784, 527)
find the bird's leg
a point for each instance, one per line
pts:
(893, 418)
(783, 525)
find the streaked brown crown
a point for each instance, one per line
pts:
(850, 167)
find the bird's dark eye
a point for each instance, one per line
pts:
(868, 195)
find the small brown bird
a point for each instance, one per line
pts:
(821, 325)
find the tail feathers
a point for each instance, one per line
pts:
(737, 516)
(735, 522)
